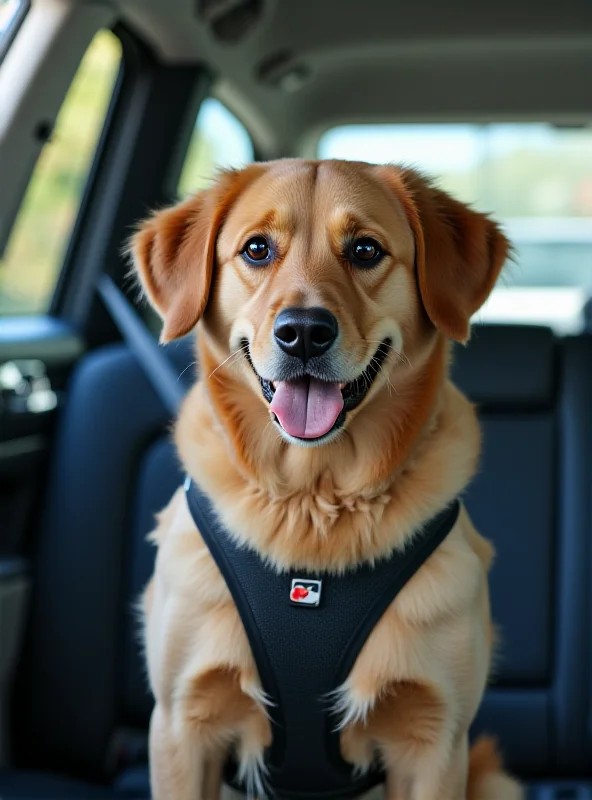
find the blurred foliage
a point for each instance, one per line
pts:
(36, 248)
(199, 164)
(530, 181)
(219, 141)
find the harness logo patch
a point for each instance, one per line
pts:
(305, 592)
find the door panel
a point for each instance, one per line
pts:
(38, 352)
(36, 356)
(49, 313)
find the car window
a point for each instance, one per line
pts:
(535, 178)
(30, 265)
(219, 140)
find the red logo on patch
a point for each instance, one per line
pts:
(299, 593)
(305, 592)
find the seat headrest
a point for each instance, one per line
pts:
(507, 366)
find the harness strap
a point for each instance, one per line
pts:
(305, 633)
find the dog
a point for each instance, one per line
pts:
(322, 466)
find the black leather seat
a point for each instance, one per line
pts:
(531, 499)
(82, 703)
(82, 706)
(28, 785)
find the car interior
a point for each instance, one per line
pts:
(109, 110)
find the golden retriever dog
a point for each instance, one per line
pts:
(323, 468)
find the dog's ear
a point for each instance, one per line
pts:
(459, 252)
(174, 252)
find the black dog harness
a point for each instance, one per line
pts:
(305, 633)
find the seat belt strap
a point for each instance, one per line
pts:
(150, 356)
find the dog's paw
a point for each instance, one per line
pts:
(351, 705)
(254, 738)
(250, 685)
(253, 773)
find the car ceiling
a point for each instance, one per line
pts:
(291, 68)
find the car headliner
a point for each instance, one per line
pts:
(304, 65)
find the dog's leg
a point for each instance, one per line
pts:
(487, 779)
(395, 787)
(412, 725)
(213, 776)
(474, 775)
(177, 762)
(442, 778)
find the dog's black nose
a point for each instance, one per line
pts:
(305, 332)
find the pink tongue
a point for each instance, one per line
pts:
(307, 408)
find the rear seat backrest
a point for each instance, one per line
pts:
(531, 395)
(83, 679)
(573, 657)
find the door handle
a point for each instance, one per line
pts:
(25, 388)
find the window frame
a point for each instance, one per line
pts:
(13, 28)
(35, 78)
(67, 242)
(65, 270)
(136, 165)
(115, 198)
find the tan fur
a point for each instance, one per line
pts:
(407, 451)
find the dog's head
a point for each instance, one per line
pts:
(327, 277)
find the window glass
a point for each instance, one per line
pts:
(35, 251)
(219, 140)
(534, 177)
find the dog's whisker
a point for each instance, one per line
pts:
(381, 369)
(383, 342)
(398, 353)
(193, 364)
(236, 355)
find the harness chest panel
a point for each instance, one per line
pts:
(305, 633)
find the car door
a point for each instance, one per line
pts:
(85, 151)
(58, 76)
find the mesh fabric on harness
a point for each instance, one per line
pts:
(304, 651)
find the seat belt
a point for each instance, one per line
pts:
(150, 356)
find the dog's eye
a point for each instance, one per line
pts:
(257, 251)
(365, 252)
